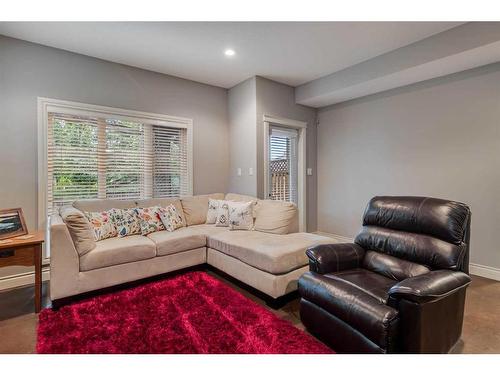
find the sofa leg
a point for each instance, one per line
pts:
(280, 302)
(57, 304)
(275, 303)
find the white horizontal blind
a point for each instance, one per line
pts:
(113, 158)
(170, 167)
(72, 159)
(283, 164)
(125, 159)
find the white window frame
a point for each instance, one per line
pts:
(47, 105)
(301, 167)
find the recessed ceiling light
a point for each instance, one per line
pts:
(229, 52)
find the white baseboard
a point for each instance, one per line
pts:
(22, 279)
(474, 269)
(485, 271)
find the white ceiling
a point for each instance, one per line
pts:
(289, 52)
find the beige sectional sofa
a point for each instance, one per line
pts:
(270, 259)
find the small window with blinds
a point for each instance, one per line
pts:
(283, 164)
(108, 157)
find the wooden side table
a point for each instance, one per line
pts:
(22, 251)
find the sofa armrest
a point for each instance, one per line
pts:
(64, 259)
(430, 286)
(334, 257)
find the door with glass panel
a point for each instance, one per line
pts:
(283, 163)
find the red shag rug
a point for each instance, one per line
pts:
(190, 313)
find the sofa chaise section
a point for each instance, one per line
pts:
(268, 262)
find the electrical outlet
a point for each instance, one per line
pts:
(309, 171)
(238, 171)
(250, 171)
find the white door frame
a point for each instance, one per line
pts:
(302, 185)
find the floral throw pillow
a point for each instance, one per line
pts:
(240, 215)
(170, 218)
(102, 225)
(150, 219)
(222, 215)
(213, 206)
(126, 221)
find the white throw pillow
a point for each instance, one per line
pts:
(213, 206)
(240, 215)
(222, 215)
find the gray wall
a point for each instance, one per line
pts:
(242, 137)
(249, 101)
(30, 70)
(277, 99)
(437, 138)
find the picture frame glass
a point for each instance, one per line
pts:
(12, 223)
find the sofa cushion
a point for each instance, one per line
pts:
(163, 202)
(196, 207)
(268, 252)
(118, 250)
(276, 217)
(177, 241)
(209, 229)
(241, 198)
(98, 205)
(352, 305)
(82, 233)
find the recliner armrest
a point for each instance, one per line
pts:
(334, 257)
(430, 286)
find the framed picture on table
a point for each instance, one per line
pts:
(12, 223)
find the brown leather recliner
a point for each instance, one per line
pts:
(400, 287)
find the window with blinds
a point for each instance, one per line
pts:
(105, 157)
(283, 164)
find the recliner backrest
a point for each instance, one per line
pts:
(427, 231)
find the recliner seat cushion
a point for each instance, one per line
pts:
(268, 252)
(118, 250)
(177, 241)
(366, 314)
